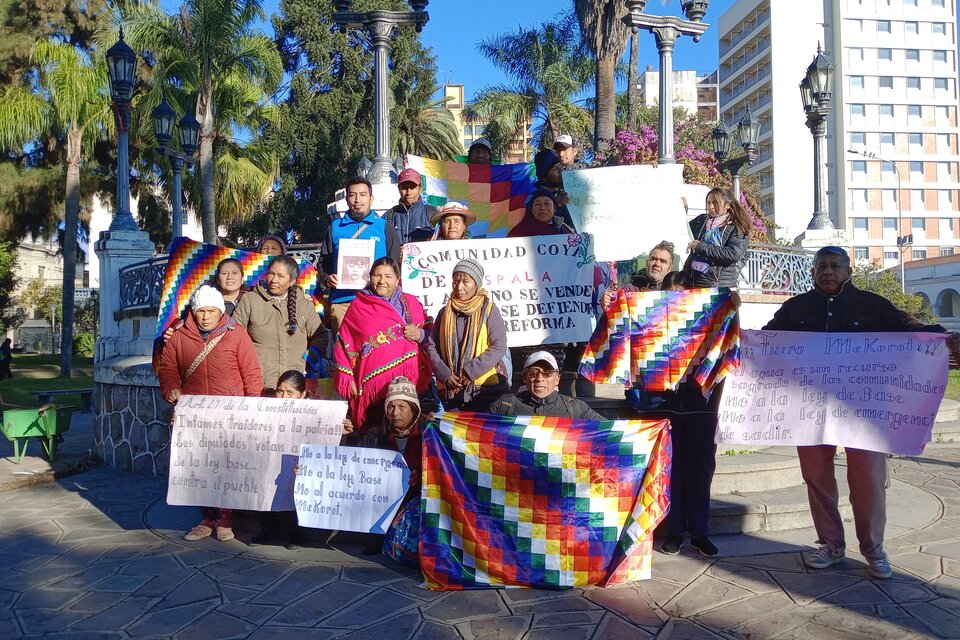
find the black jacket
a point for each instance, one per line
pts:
(848, 310)
(725, 260)
(524, 403)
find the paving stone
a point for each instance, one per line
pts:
(680, 569)
(615, 628)
(659, 591)
(433, 631)
(197, 588)
(467, 605)
(411, 587)
(804, 588)
(749, 578)
(628, 603)
(297, 584)
(922, 565)
(159, 586)
(124, 584)
(41, 621)
(9, 625)
(230, 593)
(685, 630)
(220, 570)
(525, 596)
(503, 628)
(95, 602)
(705, 593)
(253, 613)
(379, 604)
(570, 632)
(736, 613)
(45, 599)
(862, 593)
(72, 635)
(293, 633)
(946, 550)
(216, 626)
(780, 621)
(376, 575)
(568, 619)
(116, 617)
(151, 566)
(560, 605)
(863, 624)
(197, 557)
(952, 567)
(7, 597)
(775, 561)
(401, 627)
(925, 537)
(169, 621)
(905, 591)
(308, 611)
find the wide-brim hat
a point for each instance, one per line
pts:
(454, 208)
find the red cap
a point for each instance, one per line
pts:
(409, 175)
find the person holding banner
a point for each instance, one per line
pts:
(209, 355)
(281, 321)
(720, 244)
(539, 395)
(453, 221)
(550, 178)
(380, 339)
(412, 216)
(271, 245)
(229, 282)
(468, 343)
(480, 152)
(540, 218)
(836, 305)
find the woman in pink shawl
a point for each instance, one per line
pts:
(380, 339)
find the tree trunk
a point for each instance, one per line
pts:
(71, 216)
(208, 212)
(633, 78)
(606, 113)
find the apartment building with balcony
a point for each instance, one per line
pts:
(471, 129)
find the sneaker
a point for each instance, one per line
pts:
(880, 568)
(824, 557)
(199, 532)
(671, 546)
(225, 534)
(704, 546)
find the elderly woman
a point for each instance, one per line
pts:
(453, 218)
(282, 323)
(379, 340)
(272, 245)
(468, 343)
(209, 355)
(541, 217)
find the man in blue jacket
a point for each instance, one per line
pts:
(359, 223)
(412, 216)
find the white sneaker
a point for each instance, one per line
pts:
(824, 557)
(880, 568)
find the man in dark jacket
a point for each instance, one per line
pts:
(411, 216)
(550, 178)
(836, 305)
(539, 395)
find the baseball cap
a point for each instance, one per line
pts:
(409, 175)
(564, 141)
(483, 142)
(541, 356)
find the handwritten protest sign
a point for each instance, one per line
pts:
(628, 209)
(543, 286)
(349, 488)
(874, 391)
(239, 453)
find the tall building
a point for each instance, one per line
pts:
(520, 148)
(894, 95)
(694, 93)
(708, 90)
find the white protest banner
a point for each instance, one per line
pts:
(239, 453)
(873, 391)
(628, 209)
(543, 285)
(349, 488)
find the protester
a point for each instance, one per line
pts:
(209, 355)
(480, 152)
(228, 280)
(454, 220)
(272, 245)
(550, 178)
(412, 216)
(6, 358)
(835, 305)
(539, 395)
(539, 218)
(468, 343)
(566, 150)
(358, 224)
(380, 338)
(721, 241)
(282, 323)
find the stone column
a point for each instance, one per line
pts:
(380, 32)
(116, 250)
(666, 40)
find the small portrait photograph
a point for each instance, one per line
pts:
(354, 258)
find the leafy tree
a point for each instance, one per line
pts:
(606, 35)
(39, 298)
(8, 284)
(419, 124)
(549, 65)
(886, 282)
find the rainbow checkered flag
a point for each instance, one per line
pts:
(496, 193)
(654, 340)
(541, 502)
(193, 263)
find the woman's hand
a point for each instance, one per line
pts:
(412, 332)
(168, 333)
(562, 198)
(173, 395)
(453, 383)
(692, 246)
(296, 469)
(352, 392)
(347, 426)
(606, 297)
(333, 281)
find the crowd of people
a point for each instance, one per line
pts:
(396, 367)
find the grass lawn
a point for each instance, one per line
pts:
(953, 385)
(40, 372)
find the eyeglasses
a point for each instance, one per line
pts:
(534, 373)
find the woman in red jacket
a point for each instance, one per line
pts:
(209, 355)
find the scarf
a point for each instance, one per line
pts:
(530, 226)
(475, 340)
(371, 350)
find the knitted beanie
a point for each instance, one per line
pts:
(207, 296)
(472, 268)
(544, 160)
(401, 388)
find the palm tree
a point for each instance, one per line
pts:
(211, 45)
(73, 99)
(606, 35)
(550, 66)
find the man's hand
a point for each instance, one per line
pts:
(412, 332)
(562, 198)
(606, 297)
(453, 383)
(173, 395)
(333, 281)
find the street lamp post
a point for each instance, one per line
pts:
(816, 92)
(380, 25)
(189, 134)
(748, 133)
(122, 68)
(666, 30)
(903, 240)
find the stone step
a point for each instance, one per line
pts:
(949, 411)
(774, 510)
(761, 471)
(945, 432)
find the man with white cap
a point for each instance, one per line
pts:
(411, 216)
(480, 152)
(539, 395)
(566, 150)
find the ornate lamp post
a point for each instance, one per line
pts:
(666, 30)
(380, 25)
(122, 68)
(189, 133)
(748, 132)
(816, 92)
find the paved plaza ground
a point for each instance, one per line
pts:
(97, 554)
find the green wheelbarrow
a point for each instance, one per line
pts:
(47, 423)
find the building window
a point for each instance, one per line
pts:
(886, 111)
(945, 203)
(914, 110)
(40, 270)
(883, 26)
(886, 82)
(911, 27)
(859, 225)
(913, 83)
(909, 3)
(856, 54)
(937, 3)
(856, 82)
(939, 56)
(858, 166)
(858, 199)
(889, 224)
(858, 137)
(912, 55)
(885, 55)
(857, 110)
(940, 84)
(887, 139)
(861, 254)
(891, 255)
(916, 166)
(946, 251)
(919, 254)
(917, 225)
(916, 139)
(938, 28)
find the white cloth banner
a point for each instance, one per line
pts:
(873, 391)
(629, 209)
(543, 285)
(349, 488)
(239, 452)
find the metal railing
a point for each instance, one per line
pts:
(761, 45)
(763, 72)
(745, 32)
(776, 269)
(141, 284)
(737, 115)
